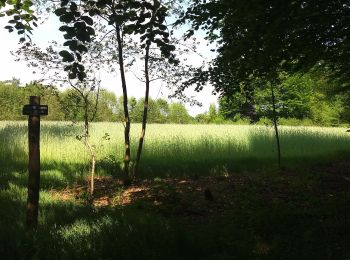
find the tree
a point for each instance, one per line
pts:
(178, 114)
(50, 96)
(78, 31)
(153, 32)
(299, 96)
(13, 96)
(153, 113)
(85, 95)
(259, 39)
(106, 107)
(163, 107)
(143, 18)
(240, 104)
(212, 113)
(257, 36)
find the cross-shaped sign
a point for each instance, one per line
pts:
(34, 110)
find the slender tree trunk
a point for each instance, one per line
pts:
(89, 147)
(274, 119)
(126, 175)
(145, 114)
(93, 166)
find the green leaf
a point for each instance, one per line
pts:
(19, 25)
(78, 56)
(64, 28)
(82, 48)
(83, 36)
(80, 26)
(66, 56)
(72, 44)
(60, 11)
(90, 30)
(72, 75)
(10, 12)
(67, 18)
(81, 75)
(73, 7)
(68, 68)
(81, 67)
(75, 68)
(87, 19)
(64, 2)
(94, 12)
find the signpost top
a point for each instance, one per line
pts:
(35, 110)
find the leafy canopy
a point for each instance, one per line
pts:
(262, 37)
(132, 17)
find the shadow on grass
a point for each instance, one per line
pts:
(299, 149)
(279, 229)
(253, 229)
(153, 168)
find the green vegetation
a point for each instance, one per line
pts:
(199, 191)
(175, 150)
(302, 100)
(68, 105)
(273, 216)
(306, 98)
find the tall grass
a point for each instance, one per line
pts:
(172, 150)
(71, 230)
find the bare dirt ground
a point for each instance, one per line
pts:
(214, 196)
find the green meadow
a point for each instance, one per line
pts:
(259, 212)
(174, 150)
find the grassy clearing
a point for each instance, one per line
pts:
(173, 150)
(257, 213)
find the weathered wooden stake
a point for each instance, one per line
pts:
(34, 111)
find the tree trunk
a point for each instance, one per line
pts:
(126, 175)
(89, 146)
(274, 119)
(145, 113)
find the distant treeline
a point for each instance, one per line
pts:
(301, 101)
(310, 98)
(67, 105)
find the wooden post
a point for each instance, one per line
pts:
(33, 110)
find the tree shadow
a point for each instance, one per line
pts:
(259, 153)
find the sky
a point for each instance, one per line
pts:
(48, 31)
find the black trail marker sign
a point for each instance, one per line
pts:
(34, 110)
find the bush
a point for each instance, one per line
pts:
(264, 121)
(295, 122)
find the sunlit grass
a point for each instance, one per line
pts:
(171, 149)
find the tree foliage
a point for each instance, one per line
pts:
(22, 17)
(68, 105)
(262, 38)
(301, 96)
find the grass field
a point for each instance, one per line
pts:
(172, 150)
(259, 213)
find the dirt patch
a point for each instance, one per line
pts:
(207, 196)
(182, 196)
